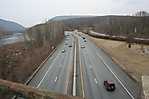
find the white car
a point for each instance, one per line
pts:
(82, 46)
(63, 51)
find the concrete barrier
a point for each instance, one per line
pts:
(27, 92)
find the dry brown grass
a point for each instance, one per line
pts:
(132, 60)
(18, 62)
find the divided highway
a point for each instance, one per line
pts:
(81, 69)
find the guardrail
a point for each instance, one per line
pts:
(40, 66)
(36, 71)
(119, 38)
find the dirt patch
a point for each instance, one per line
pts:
(134, 60)
(18, 61)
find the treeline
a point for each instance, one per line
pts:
(137, 26)
(124, 26)
(50, 32)
(127, 39)
(40, 41)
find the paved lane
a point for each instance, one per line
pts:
(54, 75)
(96, 71)
(95, 67)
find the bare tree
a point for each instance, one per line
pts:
(129, 40)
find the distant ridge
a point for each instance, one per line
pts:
(61, 18)
(9, 26)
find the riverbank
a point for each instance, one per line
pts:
(11, 38)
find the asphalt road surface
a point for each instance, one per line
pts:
(93, 66)
(54, 75)
(97, 67)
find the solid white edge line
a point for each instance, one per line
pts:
(40, 66)
(55, 79)
(67, 82)
(116, 77)
(95, 80)
(44, 76)
(74, 74)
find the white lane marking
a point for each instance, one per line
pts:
(69, 68)
(74, 74)
(95, 80)
(55, 79)
(115, 75)
(44, 76)
(46, 73)
(81, 69)
(90, 67)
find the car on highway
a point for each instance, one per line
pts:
(70, 46)
(67, 38)
(83, 37)
(109, 85)
(82, 46)
(66, 43)
(63, 51)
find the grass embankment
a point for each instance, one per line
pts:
(18, 61)
(134, 60)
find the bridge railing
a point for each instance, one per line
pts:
(9, 89)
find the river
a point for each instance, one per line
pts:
(9, 39)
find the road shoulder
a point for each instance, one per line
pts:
(131, 61)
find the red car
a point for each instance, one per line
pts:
(109, 85)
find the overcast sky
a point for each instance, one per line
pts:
(31, 12)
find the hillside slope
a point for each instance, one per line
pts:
(9, 26)
(62, 18)
(113, 25)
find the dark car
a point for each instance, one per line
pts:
(63, 51)
(83, 37)
(70, 46)
(85, 41)
(109, 85)
(66, 43)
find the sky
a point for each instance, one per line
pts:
(31, 12)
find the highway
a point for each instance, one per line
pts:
(81, 71)
(97, 67)
(55, 74)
